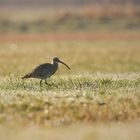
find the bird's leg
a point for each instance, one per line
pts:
(47, 83)
(40, 82)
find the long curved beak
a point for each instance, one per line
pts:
(64, 64)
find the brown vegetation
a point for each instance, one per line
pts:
(70, 36)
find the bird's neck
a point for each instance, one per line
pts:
(55, 63)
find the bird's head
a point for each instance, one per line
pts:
(56, 60)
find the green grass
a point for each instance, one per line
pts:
(97, 97)
(57, 24)
(102, 88)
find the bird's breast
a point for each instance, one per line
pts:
(50, 71)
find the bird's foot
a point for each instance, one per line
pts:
(48, 83)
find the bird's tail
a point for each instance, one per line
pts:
(26, 76)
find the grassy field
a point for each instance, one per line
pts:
(91, 18)
(100, 93)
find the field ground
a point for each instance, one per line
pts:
(119, 131)
(71, 36)
(58, 20)
(97, 99)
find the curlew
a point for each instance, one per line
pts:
(44, 71)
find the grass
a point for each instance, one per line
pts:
(72, 99)
(84, 24)
(83, 131)
(99, 93)
(96, 18)
(88, 57)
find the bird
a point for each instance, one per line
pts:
(44, 71)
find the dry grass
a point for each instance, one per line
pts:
(91, 18)
(112, 10)
(103, 56)
(115, 131)
(102, 86)
(91, 11)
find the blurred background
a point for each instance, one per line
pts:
(57, 16)
(101, 31)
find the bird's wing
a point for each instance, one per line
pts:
(40, 70)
